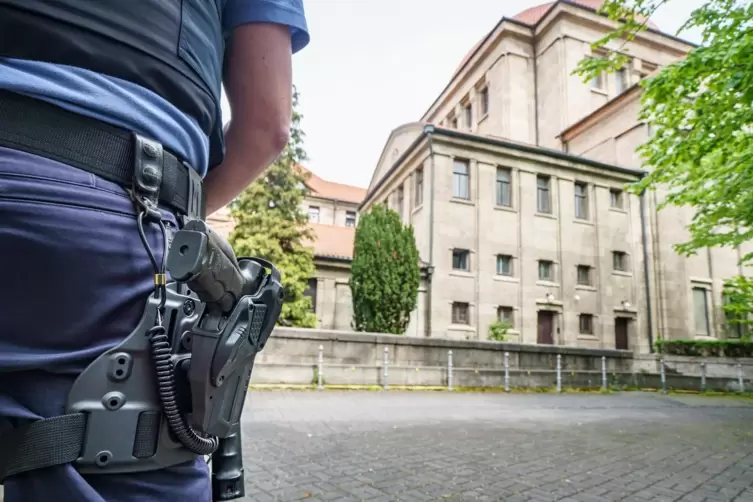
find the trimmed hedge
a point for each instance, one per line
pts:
(705, 348)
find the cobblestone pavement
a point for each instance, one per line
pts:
(416, 446)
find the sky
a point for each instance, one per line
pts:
(373, 65)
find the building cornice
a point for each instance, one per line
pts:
(470, 138)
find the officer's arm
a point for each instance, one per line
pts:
(258, 83)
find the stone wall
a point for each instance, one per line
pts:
(290, 357)
(351, 358)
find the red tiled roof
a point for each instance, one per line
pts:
(535, 14)
(331, 190)
(531, 16)
(333, 241)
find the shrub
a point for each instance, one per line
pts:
(705, 348)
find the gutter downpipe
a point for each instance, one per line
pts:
(536, 95)
(646, 274)
(430, 271)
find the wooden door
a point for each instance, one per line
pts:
(546, 327)
(621, 333)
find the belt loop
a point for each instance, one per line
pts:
(147, 175)
(195, 207)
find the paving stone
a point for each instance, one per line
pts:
(414, 446)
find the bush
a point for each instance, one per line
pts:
(498, 331)
(705, 348)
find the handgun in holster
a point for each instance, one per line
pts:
(172, 391)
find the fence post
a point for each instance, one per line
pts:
(604, 373)
(703, 377)
(740, 377)
(321, 368)
(385, 383)
(449, 370)
(663, 377)
(559, 373)
(507, 372)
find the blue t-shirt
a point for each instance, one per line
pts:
(131, 106)
(29, 231)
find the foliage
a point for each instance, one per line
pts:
(498, 330)
(384, 276)
(737, 293)
(269, 223)
(699, 109)
(705, 348)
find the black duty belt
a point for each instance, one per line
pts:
(108, 151)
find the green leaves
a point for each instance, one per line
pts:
(385, 273)
(700, 111)
(270, 224)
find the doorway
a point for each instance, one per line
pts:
(621, 333)
(545, 327)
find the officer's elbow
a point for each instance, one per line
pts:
(278, 137)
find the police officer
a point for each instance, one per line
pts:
(80, 81)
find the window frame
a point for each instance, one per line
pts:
(581, 200)
(501, 185)
(588, 329)
(500, 260)
(548, 264)
(458, 307)
(547, 190)
(462, 254)
(458, 178)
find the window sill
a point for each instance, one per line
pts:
(603, 92)
(621, 273)
(618, 210)
(508, 209)
(583, 287)
(545, 215)
(466, 202)
(484, 117)
(417, 208)
(504, 278)
(458, 273)
(583, 222)
(548, 284)
(583, 336)
(461, 327)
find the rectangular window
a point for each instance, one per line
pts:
(310, 291)
(460, 179)
(622, 80)
(584, 275)
(581, 201)
(545, 270)
(454, 122)
(586, 322)
(400, 201)
(504, 194)
(734, 322)
(615, 198)
(543, 197)
(460, 313)
(460, 259)
(484, 99)
(418, 196)
(468, 114)
(504, 265)
(505, 314)
(701, 311)
(350, 219)
(619, 261)
(314, 214)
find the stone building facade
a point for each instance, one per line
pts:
(514, 180)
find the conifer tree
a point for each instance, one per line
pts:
(384, 276)
(270, 224)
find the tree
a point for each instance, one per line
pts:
(384, 275)
(701, 150)
(269, 223)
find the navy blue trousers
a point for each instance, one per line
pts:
(74, 279)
